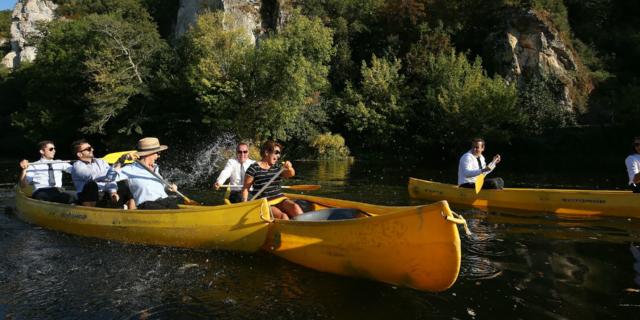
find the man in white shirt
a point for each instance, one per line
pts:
(472, 164)
(45, 175)
(234, 170)
(633, 165)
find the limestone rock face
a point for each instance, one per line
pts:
(254, 16)
(26, 15)
(528, 45)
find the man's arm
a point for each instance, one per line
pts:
(24, 180)
(225, 174)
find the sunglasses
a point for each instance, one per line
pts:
(277, 152)
(52, 149)
(636, 144)
(86, 149)
(242, 151)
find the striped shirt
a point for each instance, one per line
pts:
(262, 176)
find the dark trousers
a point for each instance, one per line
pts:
(493, 183)
(90, 193)
(158, 204)
(53, 194)
(635, 188)
(235, 196)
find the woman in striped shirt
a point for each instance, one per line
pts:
(260, 173)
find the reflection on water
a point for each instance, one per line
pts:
(515, 265)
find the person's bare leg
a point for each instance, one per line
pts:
(278, 214)
(291, 208)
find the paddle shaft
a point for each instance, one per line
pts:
(167, 184)
(293, 187)
(51, 162)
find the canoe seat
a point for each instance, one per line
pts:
(328, 214)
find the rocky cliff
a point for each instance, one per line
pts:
(528, 45)
(254, 16)
(25, 18)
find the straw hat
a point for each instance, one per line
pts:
(149, 145)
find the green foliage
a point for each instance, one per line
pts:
(89, 85)
(540, 110)
(329, 146)
(119, 66)
(382, 74)
(266, 88)
(5, 24)
(374, 110)
(457, 97)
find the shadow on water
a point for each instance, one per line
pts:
(515, 265)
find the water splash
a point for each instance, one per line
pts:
(209, 158)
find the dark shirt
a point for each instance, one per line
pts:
(262, 176)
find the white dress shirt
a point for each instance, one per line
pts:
(234, 171)
(38, 173)
(143, 185)
(468, 168)
(97, 170)
(633, 166)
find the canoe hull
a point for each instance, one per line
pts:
(236, 227)
(560, 201)
(407, 246)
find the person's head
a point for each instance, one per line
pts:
(477, 146)
(242, 152)
(82, 149)
(271, 151)
(148, 149)
(635, 145)
(47, 149)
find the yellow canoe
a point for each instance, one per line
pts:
(560, 201)
(237, 227)
(417, 247)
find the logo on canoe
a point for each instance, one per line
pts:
(584, 200)
(73, 215)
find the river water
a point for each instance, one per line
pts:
(515, 264)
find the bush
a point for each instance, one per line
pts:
(329, 146)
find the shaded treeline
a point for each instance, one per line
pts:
(391, 75)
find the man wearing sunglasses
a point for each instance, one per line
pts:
(234, 170)
(94, 180)
(45, 175)
(472, 164)
(633, 165)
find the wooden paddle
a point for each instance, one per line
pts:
(479, 182)
(186, 199)
(113, 157)
(480, 178)
(303, 187)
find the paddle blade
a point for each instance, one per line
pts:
(111, 158)
(306, 187)
(479, 182)
(190, 202)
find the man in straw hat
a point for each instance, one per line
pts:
(147, 190)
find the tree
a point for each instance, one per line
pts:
(119, 66)
(262, 91)
(375, 110)
(87, 71)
